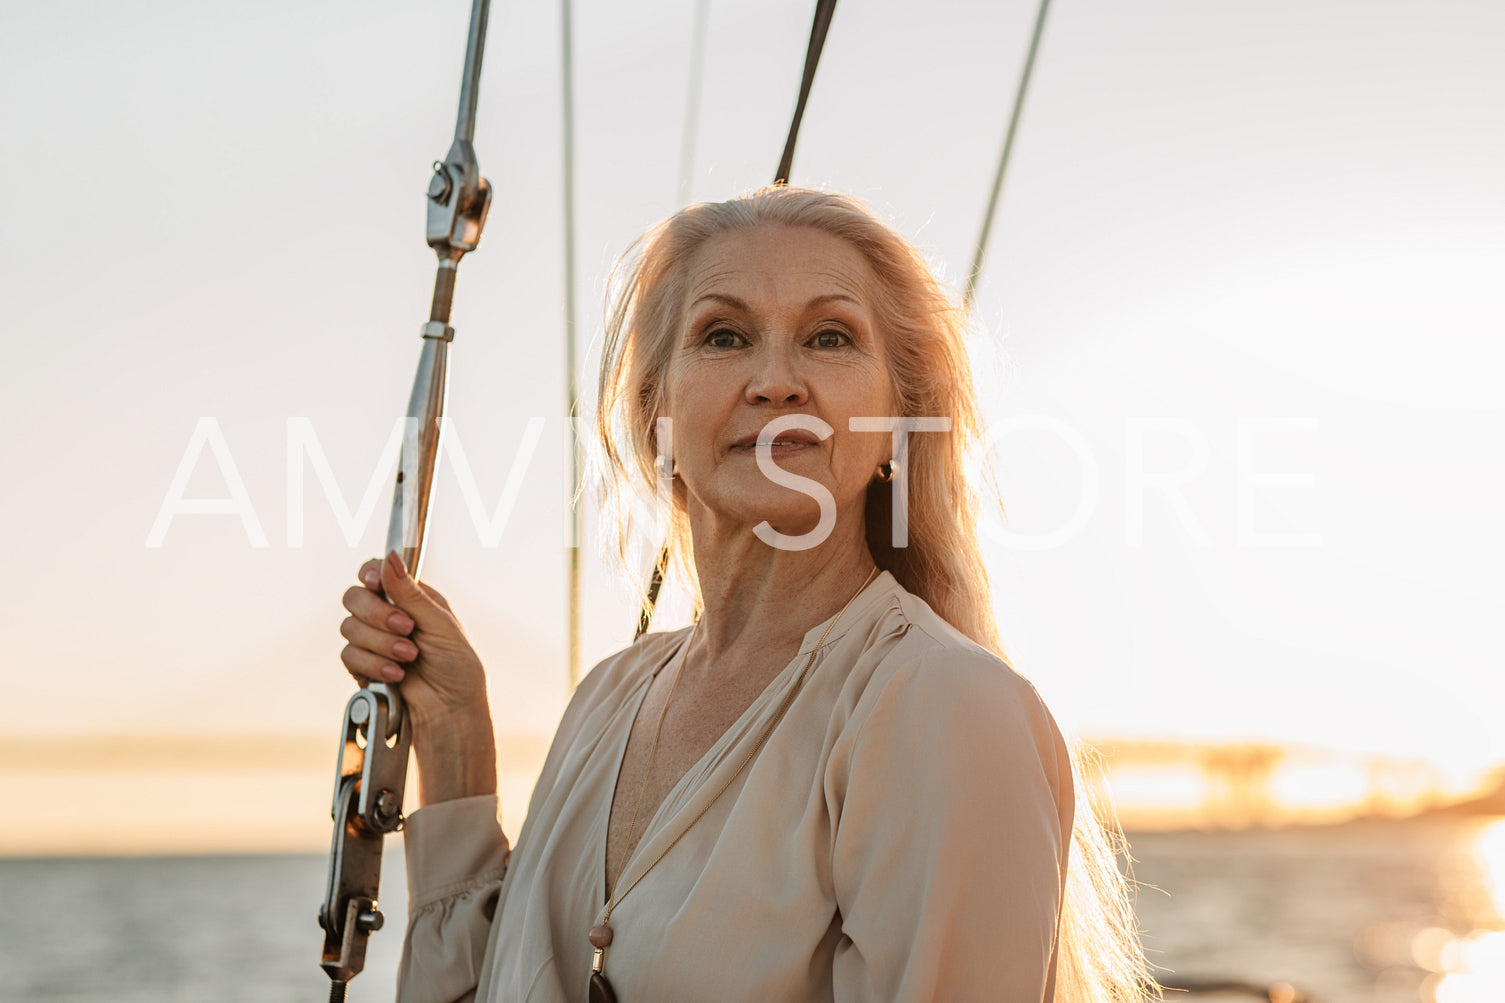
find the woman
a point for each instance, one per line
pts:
(832, 786)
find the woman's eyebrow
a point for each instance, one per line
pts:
(737, 304)
(832, 297)
(730, 301)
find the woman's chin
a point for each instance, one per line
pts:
(789, 514)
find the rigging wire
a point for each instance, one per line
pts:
(690, 136)
(822, 23)
(823, 11)
(571, 390)
(687, 144)
(1003, 161)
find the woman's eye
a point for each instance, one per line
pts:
(722, 337)
(830, 338)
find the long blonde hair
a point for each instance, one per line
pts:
(1100, 960)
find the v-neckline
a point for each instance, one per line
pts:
(604, 888)
(695, 768)
(808, 647)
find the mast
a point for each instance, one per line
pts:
(571, 388)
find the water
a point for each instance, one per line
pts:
(170, 929)
(1344, 913)
(1348, 914)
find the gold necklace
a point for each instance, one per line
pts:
(601, 933)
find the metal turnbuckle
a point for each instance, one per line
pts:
(369, 781)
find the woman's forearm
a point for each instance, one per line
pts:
(456, 757)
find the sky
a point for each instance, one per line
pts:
(1239, 338)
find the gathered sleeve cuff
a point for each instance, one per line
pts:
(456, 858)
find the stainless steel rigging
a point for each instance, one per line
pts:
(376, 734)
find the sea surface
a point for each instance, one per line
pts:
(1383, 912)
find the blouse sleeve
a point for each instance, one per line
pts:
(950, 845)
(456, 857)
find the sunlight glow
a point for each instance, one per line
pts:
(1470, 969)
(1323, 786)
(1489, 851)
(1168, 787)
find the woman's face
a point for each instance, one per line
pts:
(778, 322)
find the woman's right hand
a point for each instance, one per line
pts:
(402, 631)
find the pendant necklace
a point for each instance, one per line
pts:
(601, 933)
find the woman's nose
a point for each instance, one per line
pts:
(777, 379)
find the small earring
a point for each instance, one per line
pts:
(886, 471)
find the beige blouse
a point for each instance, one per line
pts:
(902, 836)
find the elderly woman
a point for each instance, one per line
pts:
(832, 786)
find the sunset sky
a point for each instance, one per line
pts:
(1240, 338)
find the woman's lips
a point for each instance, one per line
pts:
(785, 443)
(779, 447)
(787, 438)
